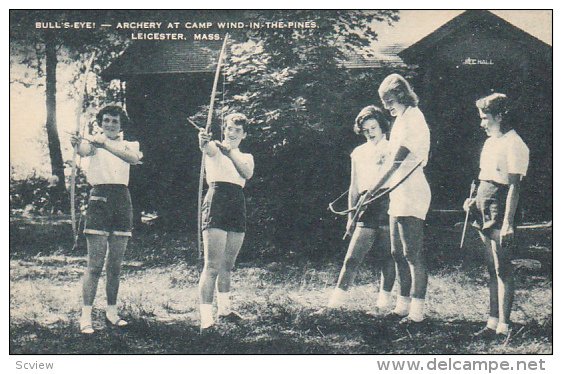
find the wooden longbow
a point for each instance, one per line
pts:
(207, 129)
(75, 152)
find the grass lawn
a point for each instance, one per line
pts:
(278, 296)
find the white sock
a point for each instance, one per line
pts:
(206, 311)
(337, 298)
(402, 305)
(223, 303)
(492, 323)
(86, 313)
(417, 308)
(111, 312)
(384, 299)
(503, 328)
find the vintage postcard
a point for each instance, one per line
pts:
(181, 181)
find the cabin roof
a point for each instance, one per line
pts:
(179, 57)
(149, 57)
(474, 23)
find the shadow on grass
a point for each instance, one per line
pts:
(339, 332)
(148, 337)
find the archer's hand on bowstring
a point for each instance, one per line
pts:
(99, 140)
(224, 148)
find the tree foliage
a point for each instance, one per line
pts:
(294, 85)
(41, 49)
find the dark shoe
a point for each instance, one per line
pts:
(232, 317)
(484, 334)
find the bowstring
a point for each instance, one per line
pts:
(223, 98)
(199, 233)
(331, 205)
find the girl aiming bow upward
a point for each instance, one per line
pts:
(109, 218)
(223, 215)
(503, 163)
(372, 228)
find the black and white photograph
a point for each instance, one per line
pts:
(281, 182)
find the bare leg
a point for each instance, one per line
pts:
(361, 242)
(504, 271)
(97, 247)
(234, 241)
(493, 285)
(117, 247)
(411, 235)
(388, 266)
(403, 270)
(214, 243)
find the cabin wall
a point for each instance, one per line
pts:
(458, 73)
(158, 105)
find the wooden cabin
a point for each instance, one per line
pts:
(166, 82)
(473, 55)
(470, 56)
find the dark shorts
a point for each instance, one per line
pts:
(376, 214)
(110, 211)
(224, 207)
(490, 206)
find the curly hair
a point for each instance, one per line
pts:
(113, 110)
(237, 119)
(371, 112)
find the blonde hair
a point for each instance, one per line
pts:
(493, 104)
(398, 87)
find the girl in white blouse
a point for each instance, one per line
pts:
(503, 163)
(372, 228)
(409, 202)
(109, 218)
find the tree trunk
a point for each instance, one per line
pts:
(57, 164)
